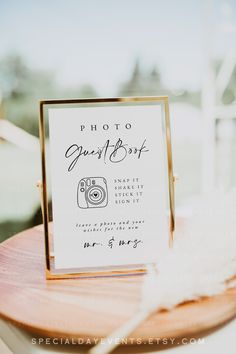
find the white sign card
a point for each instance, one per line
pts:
(109, 182)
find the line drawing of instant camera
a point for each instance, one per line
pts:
(92, 193)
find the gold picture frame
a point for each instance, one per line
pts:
(51, 272)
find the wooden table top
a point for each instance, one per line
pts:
(90, 307)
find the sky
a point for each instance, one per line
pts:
(98, 41)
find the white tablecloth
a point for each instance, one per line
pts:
(17, 341)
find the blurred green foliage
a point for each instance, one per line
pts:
(22, 87)
(149, 83)
(229, 95)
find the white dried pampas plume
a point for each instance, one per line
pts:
(204, 255)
